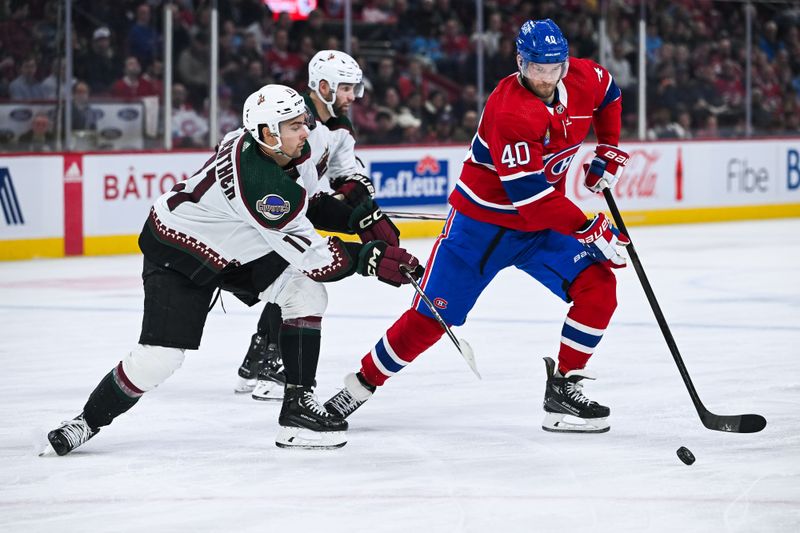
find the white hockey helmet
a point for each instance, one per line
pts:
(269, 106)
(335, 67)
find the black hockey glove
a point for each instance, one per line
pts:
(369, 222)
(377, 258)
(353, 189)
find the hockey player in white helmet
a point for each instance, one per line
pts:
(335, 82)
(241, 224)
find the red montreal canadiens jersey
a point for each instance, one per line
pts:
(515, 170)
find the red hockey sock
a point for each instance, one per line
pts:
(409, 336)
(594, 300)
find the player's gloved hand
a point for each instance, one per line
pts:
(601, 238)
(369, 222)
(606, 167)
(377, 258)
(353, 189)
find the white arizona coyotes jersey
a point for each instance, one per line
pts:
(239, 207)
(333, 148)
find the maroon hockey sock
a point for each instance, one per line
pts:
(594, 300)
(409, 336)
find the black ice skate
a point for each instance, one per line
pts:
(253, 361)
(271, 378)
(563, 397)
(304, 423)
(355, 393)
(68, 436)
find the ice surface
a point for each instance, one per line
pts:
(435, 450)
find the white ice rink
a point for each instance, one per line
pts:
(435, 450)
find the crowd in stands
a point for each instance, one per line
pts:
(418, 56)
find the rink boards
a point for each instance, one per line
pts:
(95, 203)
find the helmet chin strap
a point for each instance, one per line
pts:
(276, 148)
(328, 104)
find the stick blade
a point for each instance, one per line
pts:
(734, 423)
(469, 356)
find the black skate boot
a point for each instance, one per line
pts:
(253, 361)
(69, 435)
(271, 378)
(563, 396)
(305, 424)
(355, 393)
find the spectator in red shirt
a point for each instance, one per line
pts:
(729, 85)
(413, 80)
(131, 85)
(284, 65)
(454, 42)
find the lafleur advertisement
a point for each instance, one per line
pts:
(420, 182)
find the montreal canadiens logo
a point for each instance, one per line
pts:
(441, 303)
(558, 164)
(273, 207)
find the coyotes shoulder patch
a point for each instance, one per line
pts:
(273, 207)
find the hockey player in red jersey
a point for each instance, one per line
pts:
(509, 209)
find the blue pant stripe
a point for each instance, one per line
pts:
(580, 337)
(385, 359)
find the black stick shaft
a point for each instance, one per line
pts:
(651, 298)
(430, 305)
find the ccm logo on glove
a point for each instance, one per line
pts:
(370, 219)
(369, 222)
(387, 263)
(372, 264)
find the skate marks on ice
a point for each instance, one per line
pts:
(435, 449)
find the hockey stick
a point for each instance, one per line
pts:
(463, 346)
(733, 423)
(415, 216)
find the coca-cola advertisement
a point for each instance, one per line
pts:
(653, 177)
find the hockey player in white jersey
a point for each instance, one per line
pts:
(240, 224)
(335, 82)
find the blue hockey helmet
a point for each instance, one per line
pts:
(541, 41)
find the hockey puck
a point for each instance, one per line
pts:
(685, 455)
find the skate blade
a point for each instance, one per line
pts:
(244, 386)
(267, 391)
(48, 451)
(562, 423)
(294, 437)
